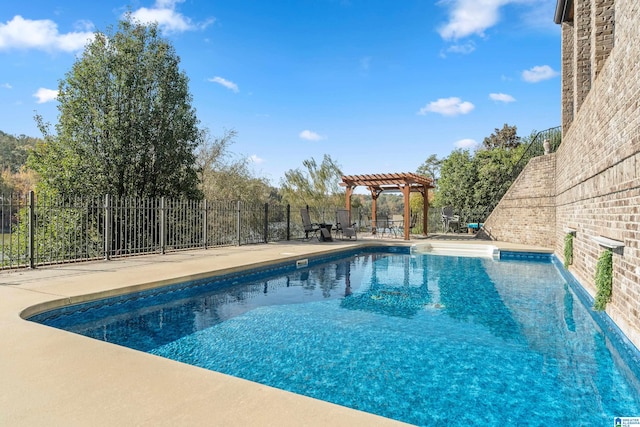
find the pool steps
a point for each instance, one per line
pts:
(474, 250)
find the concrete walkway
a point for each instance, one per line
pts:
(50, 377)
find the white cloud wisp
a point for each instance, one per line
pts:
(501, 97)
(164, 13)
(467, 17)
(466, 143)
(447, 107)
(45, 95)
(309, 135)
(539, 73)
(226, 83)
(255, 159)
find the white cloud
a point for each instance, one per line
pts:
(463, 49)
(447, 107)
(539, 73)
(311, 136)
(45, 95)
(168, 19)
(501, 97)
(255, 159)
(474, 17)
(226, 83)
(467, 17)
(466, 143)
(20, 33)
(7, 86)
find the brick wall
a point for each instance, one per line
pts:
(568, 93)
(602, 36)
(526, 213)
(595, 188)
(582, 51)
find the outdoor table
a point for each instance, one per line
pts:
(325, 232)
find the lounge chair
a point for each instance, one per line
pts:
(343, 226)
(449, 220)
(309, 227)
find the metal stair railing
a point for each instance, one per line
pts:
(534, 149)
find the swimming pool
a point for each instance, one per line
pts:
(429, 340)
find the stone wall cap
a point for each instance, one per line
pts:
(608, 243)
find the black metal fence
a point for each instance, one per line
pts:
(54, 230)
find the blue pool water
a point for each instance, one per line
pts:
(429, 340)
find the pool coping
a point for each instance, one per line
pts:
(54, 377)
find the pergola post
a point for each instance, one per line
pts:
(374, 209)
(349, 192)
(425, 211)
(406, 191)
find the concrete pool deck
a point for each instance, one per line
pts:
(53, 377)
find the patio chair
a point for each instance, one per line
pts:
(343, 226)
(396, 224)
(413, 220)
(309, 227)
(449, 220)
(382, 225)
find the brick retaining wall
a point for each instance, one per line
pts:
(526, 214)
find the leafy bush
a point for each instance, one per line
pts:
(604, 280)
(568, 250)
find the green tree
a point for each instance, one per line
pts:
(473, 183)
(126, 125)
(431, 167)
(495, 176)
(507, 137)
(225, 177)
(458, 178)
(390, 204)
(14, 151)
(317, 186)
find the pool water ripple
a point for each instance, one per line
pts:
(427, 340)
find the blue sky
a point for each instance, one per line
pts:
(378, 85)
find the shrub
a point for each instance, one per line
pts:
(568, 250)
(604, 280)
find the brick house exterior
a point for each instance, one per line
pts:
(592, 183)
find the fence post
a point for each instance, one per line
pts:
(205, 217)
(266, 222)
(163, 222)
(107, 227)
(32, 229)
(288, 222)
(238, 221)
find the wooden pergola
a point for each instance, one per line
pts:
(406, 183)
